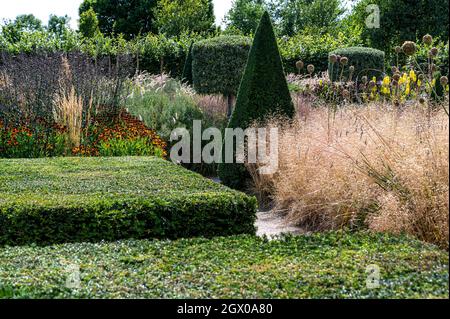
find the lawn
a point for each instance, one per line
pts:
(59, 200)
(331, 265)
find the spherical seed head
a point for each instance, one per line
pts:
(422, 100)
(434, 68)
(409, 48)
(352, 69)
(444, 81)
(299, 65)
(398, 49)
(427, 39)
(396, 76)
(344, 60)
(372, 84)
(333, 58)
(338, 57)
(434, 52)
(394, 69)
(364, 79)
(310, 69)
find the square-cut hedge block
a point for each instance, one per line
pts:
(58, 200)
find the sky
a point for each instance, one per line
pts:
(42, 9)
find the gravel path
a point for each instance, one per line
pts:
(272, 224)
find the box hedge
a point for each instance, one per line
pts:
(218, 64)
(367, 62)
(47, 201)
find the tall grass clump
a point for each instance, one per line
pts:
(374, 167)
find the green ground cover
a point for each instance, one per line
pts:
(329, 265)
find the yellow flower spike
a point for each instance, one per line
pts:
(433, 83)
(386, 81)
(408, 89)
(413, 76)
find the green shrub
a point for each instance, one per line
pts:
(218, 64)
(367, 62)
(164, 105)
(263, 93)
(59, 200)
(422, 56)
(313, 48)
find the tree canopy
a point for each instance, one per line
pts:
(174, 17)
(127, 17)
(402, 20)
(12, 30)
(289, 16)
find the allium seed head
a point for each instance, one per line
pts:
(364, 79)
(299, 65)
(344, 60)
(398, 49)
(444, 81)
(352, 69)
(333, 58)
(409, 48)
(434, 52)
(310, 69)
(427, 39)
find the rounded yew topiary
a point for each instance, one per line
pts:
(263, 93)
(366, 62)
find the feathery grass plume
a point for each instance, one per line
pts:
(68, 106)
(372, 167)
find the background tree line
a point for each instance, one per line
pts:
(306, 29)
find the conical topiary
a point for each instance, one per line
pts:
(187, 70)
(263, 93)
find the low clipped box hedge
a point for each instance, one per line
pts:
(48, 201)
(367, 62)
(218, 64)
